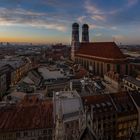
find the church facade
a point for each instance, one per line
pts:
(97, 57)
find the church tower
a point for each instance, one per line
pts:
(85, 33)
(75, 40)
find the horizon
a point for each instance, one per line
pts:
(50, 21)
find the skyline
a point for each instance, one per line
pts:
(49, 21)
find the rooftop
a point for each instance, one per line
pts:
(50, 74)
(31, 113)
(121, 102)
(67, 104)
(132, 80)
(99, 102)
(107, 50)
(14, 63)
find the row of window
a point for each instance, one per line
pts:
(127, 125)
(34, 133)
(127, 85)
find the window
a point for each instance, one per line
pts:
(18, 134)
(118, 68)
(108, 67)
(104, 125)
(45, 131)
(25, 133)
(126, 70)
(50, 131)
(67, 126)
(97, 68)
(99, 126)
(40, 138)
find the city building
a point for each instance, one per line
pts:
(68, 115)
(5, 78)
(136, 99)
(113, 82)
(53, 79)
(111, 116)
(98, 57)
(101, 116)
(127, 115)
(20, 66)
(87, 86)
(130, 83)
(31, 119)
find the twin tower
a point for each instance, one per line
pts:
(75, 37)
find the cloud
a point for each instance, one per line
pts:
(113, 28)
(118, 37)
(132, 3)
(94, 11)
(95, 26)
(91, 8)
(21, 16)
(98, 17)
(110, 17)
(99, 34)
(40, 24)
(81, 19)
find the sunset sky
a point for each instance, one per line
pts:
(49, 21)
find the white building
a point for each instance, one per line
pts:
(112, 82)
(131, 83)
(68, 115)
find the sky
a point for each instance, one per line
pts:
(50, 21)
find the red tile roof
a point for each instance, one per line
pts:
(101, 50)
(88, 100)
(37, 115)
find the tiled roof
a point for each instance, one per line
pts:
(101, 49)
(31, 113)
(123, 102)
(99, 102)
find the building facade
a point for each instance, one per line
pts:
(68, 115)
(31, 119)
(113, 82)
(98, 57)
(112, 116)
(5, 78)
(130, 83)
